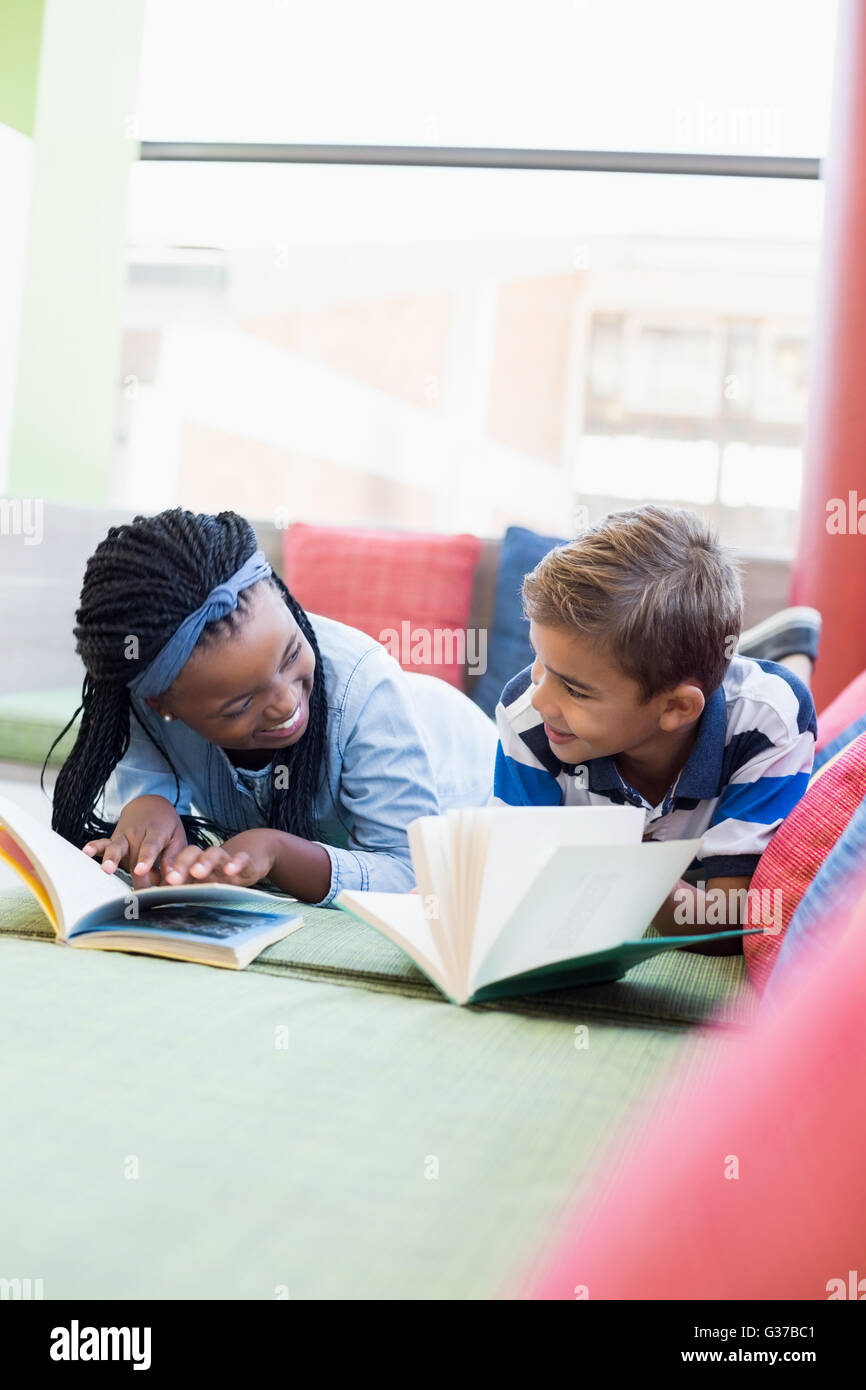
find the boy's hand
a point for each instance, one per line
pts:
(243, 859)
(726, 892)
(148, 830)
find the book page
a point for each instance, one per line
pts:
(522, 839)
(199, 925)
(473, 845)
(401, 918)
(430, 844)
(588, 898)
(74, 883)
(12, 854)
(224, 911)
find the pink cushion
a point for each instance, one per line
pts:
(410, 590)
(781, 1107)
(848, 705)
(797, 851)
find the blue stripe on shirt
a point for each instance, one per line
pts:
(767, 800)
(520, 785)
(739, 750)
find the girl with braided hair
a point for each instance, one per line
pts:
(227, 735)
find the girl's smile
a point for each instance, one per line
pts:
(293, 726)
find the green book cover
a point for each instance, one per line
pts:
(518, 900)
(597, 968)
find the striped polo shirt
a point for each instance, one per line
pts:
(748, 767)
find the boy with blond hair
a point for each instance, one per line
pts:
(637, 697)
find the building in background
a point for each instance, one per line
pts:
(528, 383)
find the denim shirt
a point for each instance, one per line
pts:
(398, 745)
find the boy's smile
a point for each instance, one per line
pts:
(592, 709)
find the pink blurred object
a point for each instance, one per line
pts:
(785, 1109)
(847, 707)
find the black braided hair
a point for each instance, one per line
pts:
(143, 580)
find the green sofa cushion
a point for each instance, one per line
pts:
(31, 720)
(676, 989)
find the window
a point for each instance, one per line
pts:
(467, 348)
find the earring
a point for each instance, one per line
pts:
(168, 717)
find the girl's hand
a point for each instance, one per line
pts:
(148, 830)
(243, 859)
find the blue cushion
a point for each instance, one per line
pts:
(508, 649)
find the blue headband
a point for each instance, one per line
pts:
(170, 661)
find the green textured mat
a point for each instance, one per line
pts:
(179, 1132)
(676, 989)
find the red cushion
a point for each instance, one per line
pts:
(744, 1181)
(797, 851)
(410, 590)
(848, 705)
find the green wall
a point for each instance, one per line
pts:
(68, 365)
(20, 33)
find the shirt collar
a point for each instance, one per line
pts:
(603, 776)
(702, 773)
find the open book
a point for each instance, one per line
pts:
(517, 899)
(208, 923)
